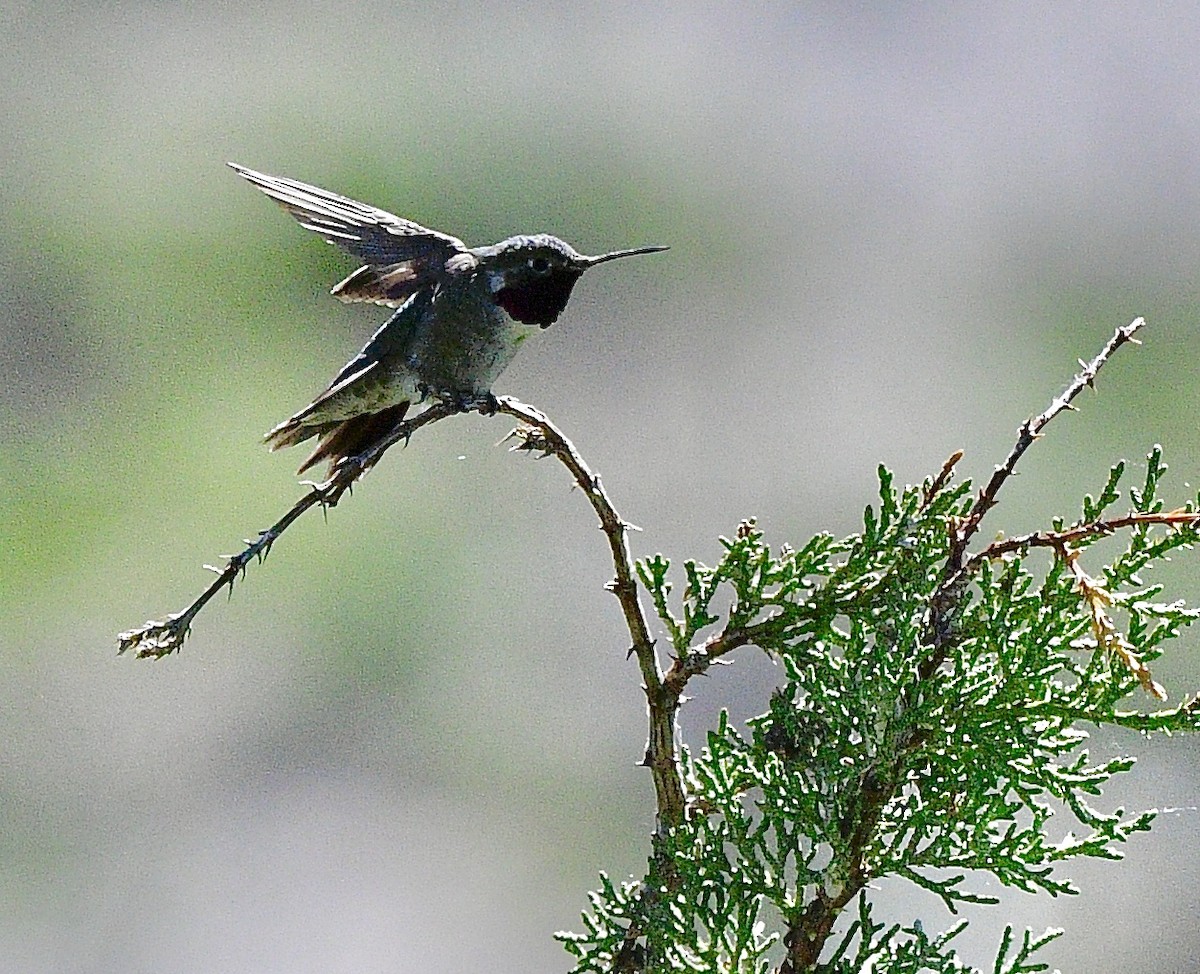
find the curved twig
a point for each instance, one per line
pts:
(156, 639)
(539, 434)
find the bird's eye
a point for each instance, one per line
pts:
(539, 265)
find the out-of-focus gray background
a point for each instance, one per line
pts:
(409, 742)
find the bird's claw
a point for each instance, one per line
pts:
(466, 402)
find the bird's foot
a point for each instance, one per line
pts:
(467, 402)
(487, 404)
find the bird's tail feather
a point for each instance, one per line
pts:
(291, 432)
(340, 440)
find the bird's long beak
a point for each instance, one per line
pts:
(613, 255)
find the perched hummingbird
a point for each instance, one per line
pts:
(462, 313)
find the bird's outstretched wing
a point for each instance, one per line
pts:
(401, 256)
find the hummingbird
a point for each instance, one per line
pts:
(461, 314)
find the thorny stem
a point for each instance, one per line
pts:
(663, 696)
(157, 639)
(1059, 540)
(955, 576)
(663, 700)
(1030, 430)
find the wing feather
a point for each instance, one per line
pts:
(369, 233)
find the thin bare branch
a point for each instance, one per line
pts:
(1179, 518)
(156, 639)
(539, 434)
(160, 638)
(1030, 430)
(663, 695)
(939, 629)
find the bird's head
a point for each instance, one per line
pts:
(532, 276)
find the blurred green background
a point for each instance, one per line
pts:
(409, 742)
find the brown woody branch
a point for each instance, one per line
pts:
(156, 639)
(1030, 430)
(537, 433)
(1060, 540)
(955, 576)
(540, 434)
(663, 695)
